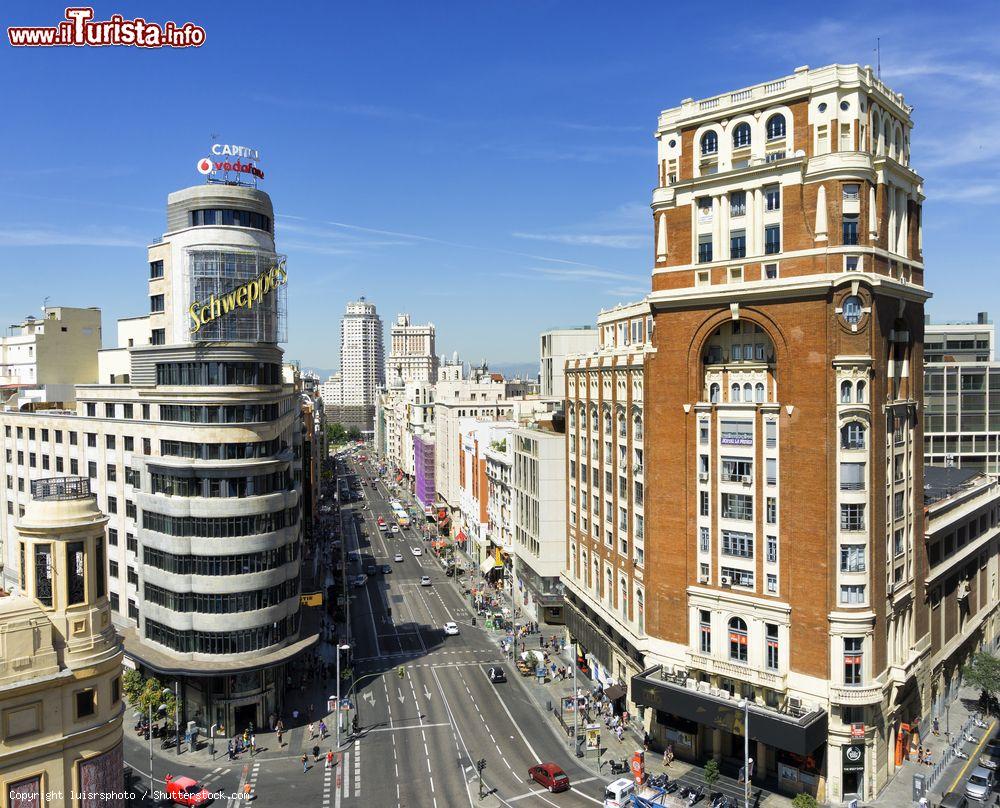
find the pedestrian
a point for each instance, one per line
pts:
(280, 733)
(329, 759)
(936, 729)
(322, 730)
(229, 750)
(920, 754)
(305, 763)
(312, 730)
(316, 753)
(253, 745)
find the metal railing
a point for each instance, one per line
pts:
(948, 755)
(60, 488)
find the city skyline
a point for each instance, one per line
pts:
(544, 190)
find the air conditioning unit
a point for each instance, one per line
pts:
(794, 703)
(746, 479)
(703, 476)
(726, 580)
(703, 579)
(891, 589)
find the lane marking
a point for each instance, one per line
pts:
(974, 756)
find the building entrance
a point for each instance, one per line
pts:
(244, 715)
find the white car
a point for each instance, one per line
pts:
(416, 551)
(394, 529)
(397, 557)
(451, 628)
(425, 580)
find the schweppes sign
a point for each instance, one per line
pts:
(246, 296)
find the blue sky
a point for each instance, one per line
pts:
(485, 166)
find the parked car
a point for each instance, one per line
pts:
(979, 786)
(496, 675)
(450, 628)
(397, 557)
(386, 569)
(185, 791)
(425, 580)
(990, 758)
(550, 776)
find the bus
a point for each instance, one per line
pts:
(402, 517)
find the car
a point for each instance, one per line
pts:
(185, 791)
(496, 675)
(397, 557)
(360, 580)
(370, 569)
(550, 776)
(394, 529)
(449, 627)
(386, 569)
(416, 551)
(979, 786)
(425, 580)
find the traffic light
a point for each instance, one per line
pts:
(401, 672)
(354, 724)
(481, 764)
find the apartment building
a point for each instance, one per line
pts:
(606, 558)
(43, 358)
(554, 346)
(500, 506)
(411, 353)
(539, 545)
(962, 396)
(476, 438)
(191, 438)
(961, 526)
(787, 296)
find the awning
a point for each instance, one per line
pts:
(461, 537)
(614, 692)
(487, 565)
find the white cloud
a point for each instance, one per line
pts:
(628, 242)
(45, 236)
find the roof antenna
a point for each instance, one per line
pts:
(878, 58)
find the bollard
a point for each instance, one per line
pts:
(549, 705)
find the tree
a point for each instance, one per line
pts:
(154, 694)
(336, 434)
(354, 433)
(983, 672)
(711, 773)
(804, 800)
(132, 686)
(531, 661)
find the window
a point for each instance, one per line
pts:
(851, 191)
(772, 584)
(771, 469)
(91, 412)
(156, 303)
(112, 473)
(771, 646)
(705, 630)
(92, 440)
(851, 309)
(772, 197)
(852, 516)
(86, 704)
(92, 470)
(852, 436)
(713, 397)
(734, 396)
(852, 594)
(852, 263)
(703, 502)
(112, 537)
(113, 568)
(703, 540)
(772, 239)
(158, 336)
(852, 476)
(845, 392)
(737, 639)
(860, 393)
(775, 127)
(109, 410)
(898, 544)
(771, 516)
(112, 504)
(772, 549)
(704, 249)
(758, 393)
(155, 270)
(737, 203)
(852, 558)
(737, 544)
(709, 143)
(853, 659)
(737, 506)
(738, 244)
(737, 469)
(850, 228)
(736, 433)
(741, 136)
(898, 505)
(770, 272)
(129, 443)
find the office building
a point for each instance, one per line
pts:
(411, 353)
(190, 439)
(555, 345)
(61, 668)
(782, 551)
(42, 359)
(362, 367)
(962, 396)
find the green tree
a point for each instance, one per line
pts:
(983, 672)
(132, 685)
(354, 433)
(711, 773)
(804, 800)
(154, 694)
(336, 434)
(531, 661)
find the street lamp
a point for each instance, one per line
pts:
(177, 713)
(340, 648)
(746, 752)
(149, 729)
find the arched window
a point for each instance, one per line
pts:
(747, 392)
(776, 127)
(637, 426)
(572, 416)
(593, 419)
(734, 393)
(737, 639)
(845, 392)
(623, 602)
(597, 579)
(860, 398)
(709, 143)
(713, 393)
(607, 424)
(609, 587)
(741, 136)
(585, 570)
(758, 393)
(640, 610)
(852, 435)
(622, 430)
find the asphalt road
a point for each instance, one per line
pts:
(422, 733)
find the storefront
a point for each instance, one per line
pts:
(602, 654)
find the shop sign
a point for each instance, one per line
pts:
(857, 730)
(228, 158)
(245, 296)
(594, 736)
(853, 758)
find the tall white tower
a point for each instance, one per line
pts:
(362, 354)
(411, 353)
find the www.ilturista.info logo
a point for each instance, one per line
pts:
(208, 166)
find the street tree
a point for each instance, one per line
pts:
(984, 673)
(711, 773)
(804, 801)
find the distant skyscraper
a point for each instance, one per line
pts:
(362, 354)
(411, 353)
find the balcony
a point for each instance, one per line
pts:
(857, 695)
(738, 672)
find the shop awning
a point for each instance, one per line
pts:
(461, 537)
(487, 565)
(614, 692)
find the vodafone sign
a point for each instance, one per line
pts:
(228, 159)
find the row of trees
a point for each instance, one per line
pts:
(337, 434)
(148, 692)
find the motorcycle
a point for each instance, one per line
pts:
(695, 795)
(619, 767)
(720, 801)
